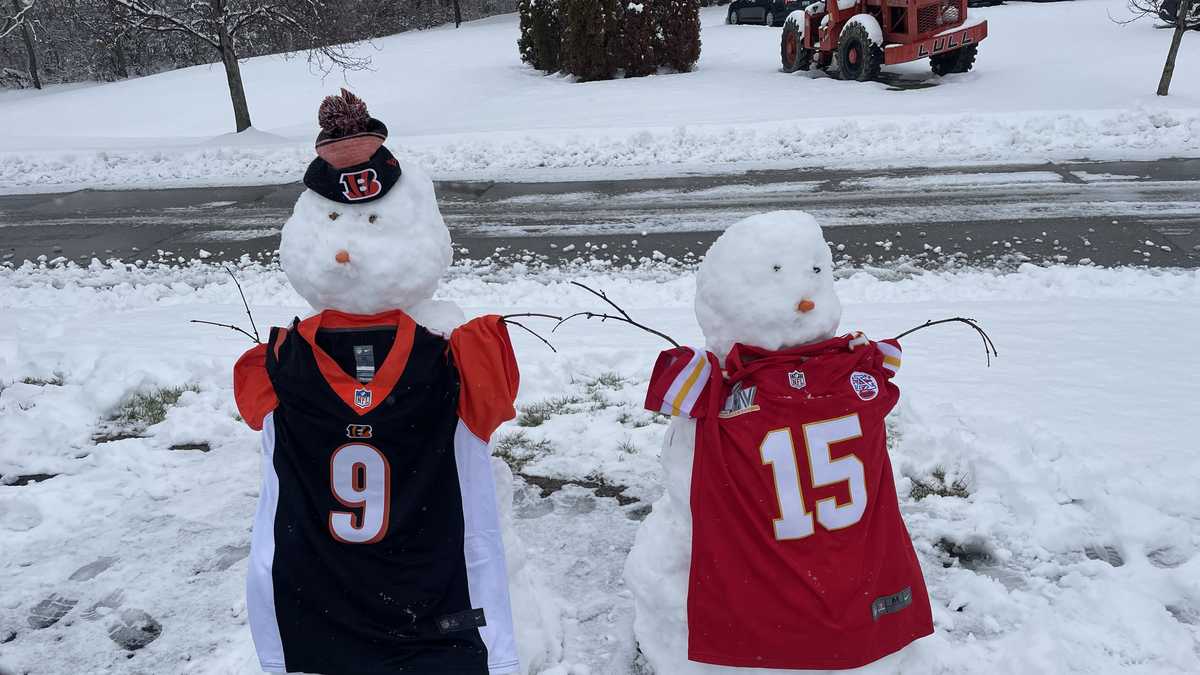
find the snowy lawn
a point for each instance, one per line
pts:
(1062, 533)
(1053, 81)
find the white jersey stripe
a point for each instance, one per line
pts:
(888, 349)
(260, 590)
(681, 387)
(483, 546)
(891, 356)
(696, 387)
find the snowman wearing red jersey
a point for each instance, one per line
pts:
(779, 542)
(383, 539)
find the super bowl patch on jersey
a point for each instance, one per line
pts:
(864, 385)
(739, 402)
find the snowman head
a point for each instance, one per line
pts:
(367, 235)
(767, 282)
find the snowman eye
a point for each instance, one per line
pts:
(372, 218)
(777, 268)
(333, 215)
(817, 270)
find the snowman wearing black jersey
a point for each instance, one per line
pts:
(379, 545)
(778, 542)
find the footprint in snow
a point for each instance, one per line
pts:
(104, 606)
(1168, 557)
(1105, 553)
(528, 503)
(49, 611)
(228, 556)
(133, 629)
(1185, 614)
(93, 569)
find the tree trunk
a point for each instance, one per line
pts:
(233, 74)
(1164, 84)
(122, 66)
(29, 50)
(457, 14)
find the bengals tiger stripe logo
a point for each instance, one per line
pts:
(360, 185)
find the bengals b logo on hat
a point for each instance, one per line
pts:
(361, 185)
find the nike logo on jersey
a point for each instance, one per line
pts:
(890, 604)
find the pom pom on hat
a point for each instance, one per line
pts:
(343, 115)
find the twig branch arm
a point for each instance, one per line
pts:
(989, 347)
(606, 317)
(244, 304)
(531, 332)
(230, 327)
(624, 318)
(506, 317)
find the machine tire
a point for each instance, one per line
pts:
(957, 61)
(732, 18)
(791, 50)
(769, 19)
(858, 58)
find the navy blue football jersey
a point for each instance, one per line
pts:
(376, 545)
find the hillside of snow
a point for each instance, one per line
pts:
(1053, 81)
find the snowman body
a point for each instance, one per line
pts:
(408, 464)
(766, 283)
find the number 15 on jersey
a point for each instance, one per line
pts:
(779, 451)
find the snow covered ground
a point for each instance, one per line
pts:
(1075, 549)
(1053, 81)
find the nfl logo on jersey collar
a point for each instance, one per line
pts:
(362, 398)
(797, 380)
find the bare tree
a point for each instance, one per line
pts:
(224, 25)
(1183, 17)
(19, 21)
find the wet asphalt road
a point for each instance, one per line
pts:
(1110, 213)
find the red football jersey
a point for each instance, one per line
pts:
(800, 558)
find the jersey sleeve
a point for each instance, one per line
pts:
(488, 370)
(252, 388)
(890, 351)
(681, 383)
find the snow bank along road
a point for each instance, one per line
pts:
(1110, 213)
(1047, 86)
(1051, 497)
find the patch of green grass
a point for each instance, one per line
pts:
(635, 419)
(518, 450)
(535, 414)
(608, 380)
(150, 408)
(56, 381)
(936, 484)
(597, 401)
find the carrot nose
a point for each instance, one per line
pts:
(806, 305)
(342, 257)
